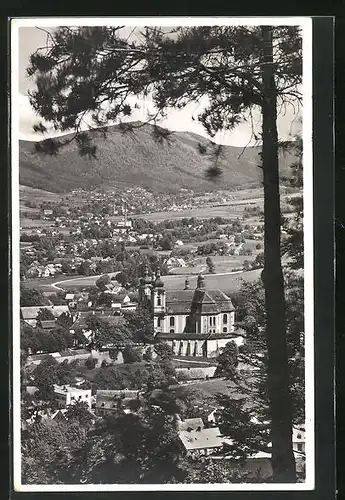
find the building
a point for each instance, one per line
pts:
(298, 440)
(197, 322)
(122, 302)
(201, 441)
(189, 424)
(112, 401)
(48, 324)
(67, 395)
(29, 314)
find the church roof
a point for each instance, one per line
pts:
(179, 301)
(211, 302)
(199, 300)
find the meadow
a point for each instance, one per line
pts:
(228, 283)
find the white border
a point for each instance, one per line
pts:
(306, 24)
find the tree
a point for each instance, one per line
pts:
(90, 363)
(131, 354)
(208, 471)
(84, 268)
(238, 68)
(44, 315)
(45, 377)
(246, 265)
(49, 451)
(109, 378)
(105, 333)
(227, 361)
(140, 323)
(166, 242)
(163, 351)
(79, 412)
(32, 297)
(210, 265)
(251, 316)
(248, 435)
(102, 281)
(147, 355)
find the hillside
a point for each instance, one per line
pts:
(136, 159)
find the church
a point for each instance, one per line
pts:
(197, 322)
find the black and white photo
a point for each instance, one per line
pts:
(162, 234)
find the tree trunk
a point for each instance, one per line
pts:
(283, 463)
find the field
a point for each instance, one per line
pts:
(232, 209)
(211, 388)
(228, 283)
(63, 282)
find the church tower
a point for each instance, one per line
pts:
(159, 295)
(145, 288)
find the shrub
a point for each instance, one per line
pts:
(131, 355)
(90, 363)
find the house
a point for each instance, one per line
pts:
(67, 395)
(49, 270)
(111, 401)
(29, 314)
(201, 441)
(59, 415)
(48, 324)
(197, 322)
(175, 262)
(298, 439)
(35, 270)
(179, 243)
(47, 213)
(189, 424)
(213, 417)
(80, 324)
(122, 301)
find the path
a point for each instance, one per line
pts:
(208, 363)
(79, 278)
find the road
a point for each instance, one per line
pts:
(78, 280)
(175, 281)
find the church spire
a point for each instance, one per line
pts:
(158, 281)
(200, 281)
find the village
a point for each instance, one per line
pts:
(99, 287)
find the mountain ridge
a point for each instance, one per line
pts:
(137, 159)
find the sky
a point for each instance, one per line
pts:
(31, 38)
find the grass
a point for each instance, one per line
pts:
(210, 388)
(39, 282)
(226, 283)
(35, 224)
(228, 212)
(79, 282)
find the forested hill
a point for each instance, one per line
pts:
(137, 159)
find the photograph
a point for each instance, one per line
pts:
(162, 234)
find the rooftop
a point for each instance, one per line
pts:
(32, 311)
(47, 324)
(64, 389)
(202, 439)
(202, 300)
(190, 423)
